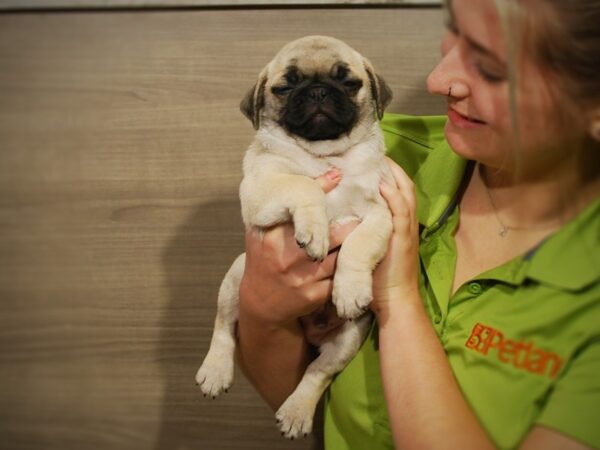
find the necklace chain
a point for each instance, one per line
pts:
(504, 228)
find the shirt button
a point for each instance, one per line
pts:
(475, 288)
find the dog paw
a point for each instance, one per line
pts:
(215, 376)
(352, 293)
(312, 232)
(295, 418)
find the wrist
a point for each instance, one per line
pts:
(396, 302)
(263, 322)
(272, 356)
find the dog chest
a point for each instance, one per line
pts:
(353, 197)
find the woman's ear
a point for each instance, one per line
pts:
(254, 100)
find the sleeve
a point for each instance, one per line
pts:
(573, 407)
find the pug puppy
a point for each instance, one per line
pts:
(315, 106)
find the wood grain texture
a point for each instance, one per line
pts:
(120, 157)
(114, 4)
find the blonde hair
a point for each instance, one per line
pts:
(566, 40)
(563, 38)
(510, 17)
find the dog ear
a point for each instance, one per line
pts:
(381, 93)
(254, 100)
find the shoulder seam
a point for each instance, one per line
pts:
(408, 137)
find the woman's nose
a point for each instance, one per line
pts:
(448, 77)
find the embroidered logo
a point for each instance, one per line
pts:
(520, 354)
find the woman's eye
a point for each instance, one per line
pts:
(490, 75)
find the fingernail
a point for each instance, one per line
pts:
(333, 174)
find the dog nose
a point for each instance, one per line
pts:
(318, 93)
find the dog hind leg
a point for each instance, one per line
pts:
(216, 373)
(295, 416)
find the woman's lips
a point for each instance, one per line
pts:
(463, 121)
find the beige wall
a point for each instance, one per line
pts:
(120, 156)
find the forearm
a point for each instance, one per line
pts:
(425, 404)
(273, 358)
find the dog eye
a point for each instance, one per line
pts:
(292, 77)
(280, 90)
(341, 73)
(353, 85)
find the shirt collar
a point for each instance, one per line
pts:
(437, 184)
(570, 258)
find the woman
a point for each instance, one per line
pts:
(488, 301)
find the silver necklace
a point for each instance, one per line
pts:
(504, 228)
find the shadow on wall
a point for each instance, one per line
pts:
(195, 261)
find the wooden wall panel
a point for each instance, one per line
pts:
(120, 156)
(112, 4)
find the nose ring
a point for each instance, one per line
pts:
(449, 91)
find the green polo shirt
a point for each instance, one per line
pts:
(523, 339)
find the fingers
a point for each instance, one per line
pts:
(401, 199)
(318, 293)
(253, 240)
(325, 269)
(394, 199)
(339, 232)
(278, 247)
(404, 183)
(330, 179)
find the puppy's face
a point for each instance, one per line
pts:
(317, 105)
(316, 88)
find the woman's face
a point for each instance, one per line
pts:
(475, 66)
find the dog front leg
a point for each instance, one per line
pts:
(360, 253)
(273, 199)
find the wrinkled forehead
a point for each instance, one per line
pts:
(317, 56)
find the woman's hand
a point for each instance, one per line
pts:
(397, 276)
(321, 323)
(281, 283)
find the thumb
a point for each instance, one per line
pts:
(330, 179)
